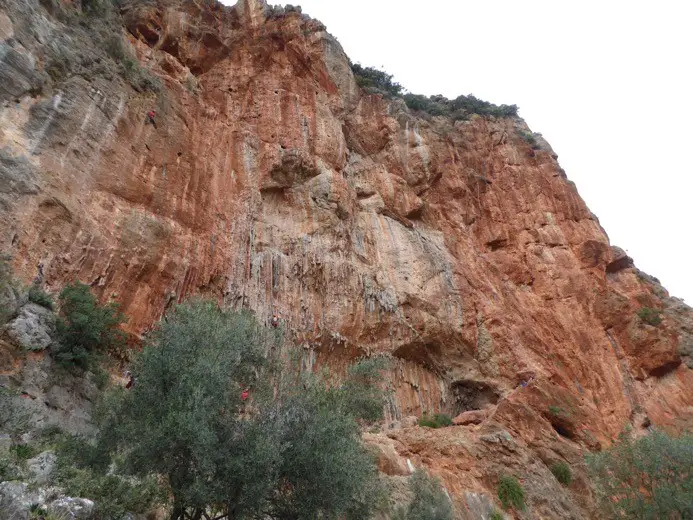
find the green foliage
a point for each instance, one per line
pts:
(375, 81)
(40, 297)
(426, 104)
(439, 420)
(557, 410)
(510, 493)
(496, 516)
(292, 451)
(529, 138)
(82, 470)
(462, 107)
(648, 478)
(23, 451)
(429, 502)
(562, 472)
(85, 328)
(650, 316)
(8, 469)
(100, 376)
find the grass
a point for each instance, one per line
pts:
(557, 410)
(562, 472)
(439, 420)
(23, 452)
(510, 493)
(650, 316)
(40, 297)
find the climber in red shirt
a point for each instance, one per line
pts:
(245, 394)
(150, 117)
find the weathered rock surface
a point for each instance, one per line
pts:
(41, 467)
(33, 328)
(71, 508)
(16, 499)
(272, 182)
(49, 395)
(470, 417)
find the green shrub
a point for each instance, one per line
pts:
(375, 81)
(40, 297)
(650, 316)
(85, 328)
(496, 516)
(23, 452)
(439, 420)
(429, 501)
(510, 493)
(646, 478)
(462, 107)
(268, 457)
(529, 138)
(8, 469)
(556, 410)
(82, 470)
(426, 104)
(562, 472)
(100, 376)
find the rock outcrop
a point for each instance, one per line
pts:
(271, 181)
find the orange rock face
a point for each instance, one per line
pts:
(271, 181)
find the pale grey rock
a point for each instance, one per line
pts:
(33, 328)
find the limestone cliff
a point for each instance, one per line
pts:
(272, 181)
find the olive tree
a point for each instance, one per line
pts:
(646, 478)
(291, 451)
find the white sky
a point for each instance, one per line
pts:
(608, 83)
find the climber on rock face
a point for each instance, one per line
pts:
(39, 274)
(131, 380)
(150, 117)
(245, 394)
(275, 320)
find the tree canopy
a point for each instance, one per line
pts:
(291, 451)
(646, 478)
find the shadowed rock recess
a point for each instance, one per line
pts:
(272, 181)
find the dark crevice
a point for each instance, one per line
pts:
(472, 395)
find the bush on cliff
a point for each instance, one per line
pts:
(85, 328)
(510, 493)
(650, 316)
(646, 478)
(430, 502)
(439, 420)
(562, 472)
(291, 450)
(376, 81)
(40, 297)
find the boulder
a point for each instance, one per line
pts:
(619, 260)
(41, 467)
(33, 328)
(470, 417)
(410, 421)
(388, 460)
(71, 508)
(16, 499)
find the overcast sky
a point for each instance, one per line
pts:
(608, 83)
